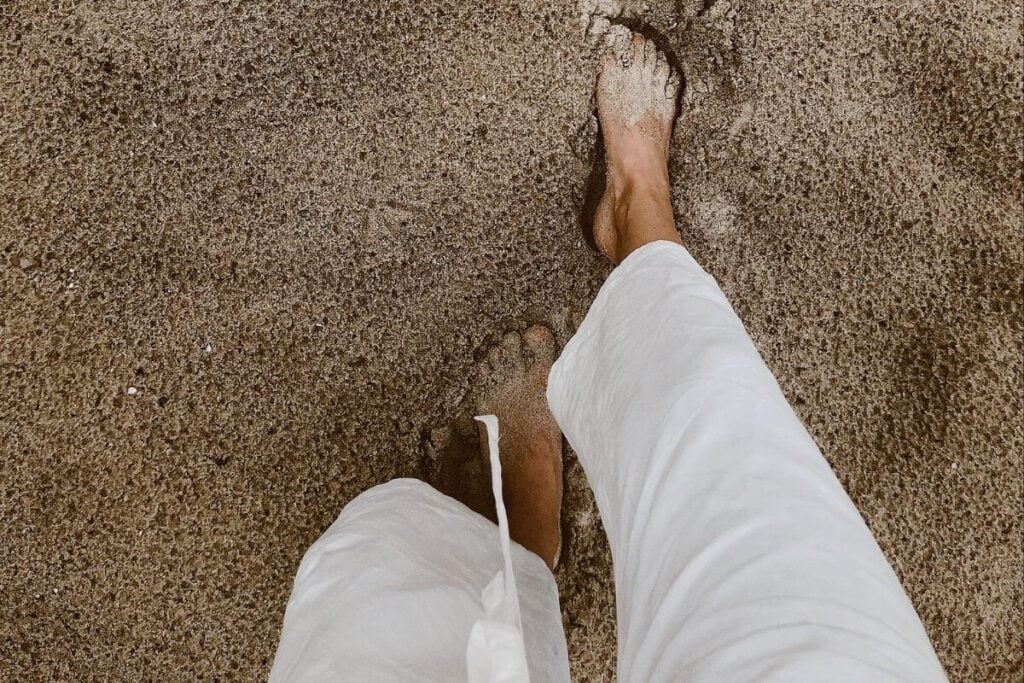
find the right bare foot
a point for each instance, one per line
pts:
(637, 93)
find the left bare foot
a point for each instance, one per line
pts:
(512, 384)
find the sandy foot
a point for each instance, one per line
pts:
(637, 94)
(512, 384)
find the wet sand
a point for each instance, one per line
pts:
(290, 226)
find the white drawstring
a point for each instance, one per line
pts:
(495, 651)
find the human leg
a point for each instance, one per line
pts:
(392, 590)
(737, 554)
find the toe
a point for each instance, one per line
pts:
(540, 345)
(662, 70)
(512, 350)
(672, 85)
(638, 45)
(650, 55)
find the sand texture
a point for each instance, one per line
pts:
(290, 226)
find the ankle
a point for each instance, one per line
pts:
(639, 188)
(642, 207)
(640, 167)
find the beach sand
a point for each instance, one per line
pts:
(248, 251)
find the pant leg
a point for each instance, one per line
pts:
(392, 589)
(738, 556)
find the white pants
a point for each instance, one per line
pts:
(737, 554)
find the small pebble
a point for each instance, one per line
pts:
(132, 391)
(208, 348)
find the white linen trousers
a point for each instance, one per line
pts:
(737, 554)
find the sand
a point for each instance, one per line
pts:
(290, 226)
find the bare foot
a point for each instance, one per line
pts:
(637, 93)
(513, 380)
